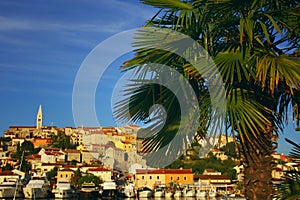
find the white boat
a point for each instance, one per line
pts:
(159, 192)
(200, 193)
(169, 194)
(10, 189)
(189, 192)
(64, 190)
(89, 191)
(212, 193)
(37, 187)
(178, 194)
(108, 189)
(129, 191)
(144, 192)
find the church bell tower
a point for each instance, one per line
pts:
(39, 118)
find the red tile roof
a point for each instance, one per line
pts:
(211, 177)
(97, 169)
(164, 171)
(72, 151)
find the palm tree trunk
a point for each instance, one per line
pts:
(258, 165)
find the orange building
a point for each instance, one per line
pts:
(41, 142)
(153, 177)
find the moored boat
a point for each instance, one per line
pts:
(212, 193)
(37, 188)
(159, 192)
(89, 191)
(189, 192)
(200, 193)
(11, 189)
(177, 193)
(144, 192)
(65, 191)
(129, 191)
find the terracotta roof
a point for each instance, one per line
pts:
(49, 153)
(66, 170)
(22, 127)
(164, 171)
(214, 177)
(33, 156)
(70, 166)
(97, 169)
(72, 151)
(5, 173)
(52, 149)
(210, 170)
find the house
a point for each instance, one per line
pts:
(219, 154)
(41, 142)
(65, 175)
(239, 172)
(8, 176)
(9, 160)
(72, 154)
(34, 160)
(43, 168)
(154, 177)
(212, 179)
(52, 157)
(280, 157)
(88, 156)
(125, 145)
(103, 173)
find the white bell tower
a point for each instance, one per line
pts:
(39, 118)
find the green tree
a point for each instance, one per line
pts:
(51, 175)
(61, 140)
(77, 176)
(28, 147)
(230, 149)
(89, 178)
(254, 45)
(7, 167)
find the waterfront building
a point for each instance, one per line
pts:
(154, 177)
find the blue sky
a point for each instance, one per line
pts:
(42, 45)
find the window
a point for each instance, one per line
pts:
(184, 178)
(171, 178)
(157, 177)
(178, 178)
(150, 177)
(143, 177)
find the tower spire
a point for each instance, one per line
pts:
(39, 118)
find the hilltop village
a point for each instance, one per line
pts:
(104, 154)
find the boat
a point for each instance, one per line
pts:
(177, 193)
(159, 192)
(212, 193)
(89, 191)
(189, 192)
(109, 189)
(129, 191)
(200, 193)
(65, 190)
(11, 189)
(37, 188)
(169, 194)
(144, 192)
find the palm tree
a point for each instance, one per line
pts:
(255, 46)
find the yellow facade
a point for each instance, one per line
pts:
(180, 178)
(152, 178)
(65, 176)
